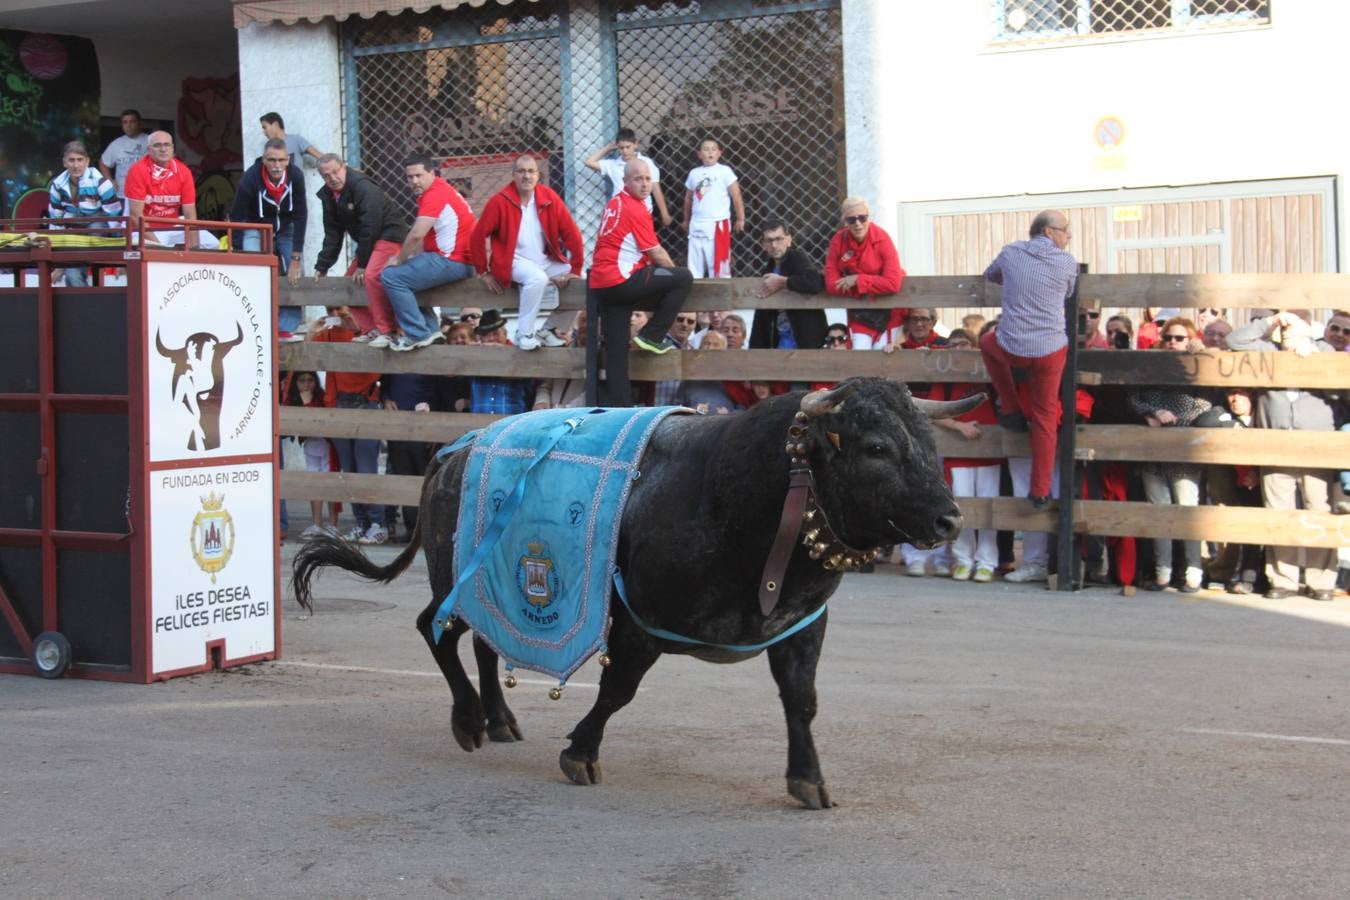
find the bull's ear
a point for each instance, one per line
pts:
(818, 403)
(948, 409)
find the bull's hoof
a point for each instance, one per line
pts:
(811, 794)
(467, 740)
(505, 732)
(579, 771)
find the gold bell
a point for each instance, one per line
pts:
(510, 680)
(605, 660)
(820, 548)
(809, 515)
(555, 693)
(837, 561)
(812, 535)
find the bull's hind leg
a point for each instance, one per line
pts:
(501, 724)
(793, 663)
(466, 715)
(632, 654)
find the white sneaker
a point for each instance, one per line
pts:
(366, 338)
(527, 342)
(313, 531)
(434, 338)
(961, 573)
(547, 338)
(374, 535)
(917, 569)
(380, 341)
(354, 536)
(983, 574)
(1026, 573)
(942, 570)
(401, 343)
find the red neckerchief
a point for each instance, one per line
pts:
(275, 191)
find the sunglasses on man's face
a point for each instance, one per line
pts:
(855, 220)
(1338, 329)
(836, 339)
(1093, 314)
(1176, 338)
(686, 320)
(467, 316)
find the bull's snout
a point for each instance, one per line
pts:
(947, 527)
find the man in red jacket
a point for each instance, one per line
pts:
(527, 236)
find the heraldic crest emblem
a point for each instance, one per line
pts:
(212, 535)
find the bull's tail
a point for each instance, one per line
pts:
(330, 550)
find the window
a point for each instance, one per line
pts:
(1021, 21)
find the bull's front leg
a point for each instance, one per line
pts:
(793, 663)
(631, 653)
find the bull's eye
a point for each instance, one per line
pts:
(876, 450)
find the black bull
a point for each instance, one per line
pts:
(695, 534)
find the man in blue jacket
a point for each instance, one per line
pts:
(272, 192)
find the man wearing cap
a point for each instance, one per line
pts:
(527, 236)
(1037, 276)
(502, 396)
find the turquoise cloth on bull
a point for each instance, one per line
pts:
(537, 540)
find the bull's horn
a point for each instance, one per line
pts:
(159, 345)
(948, 409)
(818, 403)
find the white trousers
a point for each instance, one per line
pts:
(701, 252)
(536, 280)
(864, 341)
(976, 547)
(1035, 544)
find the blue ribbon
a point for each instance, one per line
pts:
(499, 522)
(735, 648)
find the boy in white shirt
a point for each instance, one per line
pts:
(612, 168)
(711, 194)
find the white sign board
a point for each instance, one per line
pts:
(212, 550)
(209, 360)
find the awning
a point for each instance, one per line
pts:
(288, 12)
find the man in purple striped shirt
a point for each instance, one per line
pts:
(1037, 275)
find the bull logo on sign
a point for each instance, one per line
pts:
(199, 383)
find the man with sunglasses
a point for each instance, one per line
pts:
(664, 392)
(1037, 276)
(787, 268)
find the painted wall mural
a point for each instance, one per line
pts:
(49, 94)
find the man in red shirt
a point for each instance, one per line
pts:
(435, 252)
(161, 187)
(631, 270)
(527, 236)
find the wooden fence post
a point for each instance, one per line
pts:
(1067, 548)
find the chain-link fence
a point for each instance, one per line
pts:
(1015, 21)
(769, 88)
(476, 87)
(473, 88)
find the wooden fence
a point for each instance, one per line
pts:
(1083, 442)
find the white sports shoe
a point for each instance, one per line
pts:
(527, 342)
(547, 338)
(941, 569)
(983, 574)
(917, 569)
(375, 534)
(1027, 573)
(961, 573)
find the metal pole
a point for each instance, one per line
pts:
(592, 346)
(1067, 569)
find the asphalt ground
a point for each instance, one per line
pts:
(980, 741)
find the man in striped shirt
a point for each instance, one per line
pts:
(78, 192)
(1037, 275)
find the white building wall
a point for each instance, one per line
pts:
(293, 70)
(952, 118)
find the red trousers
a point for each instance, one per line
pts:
(1043, 393)
(380, 313)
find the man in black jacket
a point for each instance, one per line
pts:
(354, 207)
(272, 192)
(789, 268)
